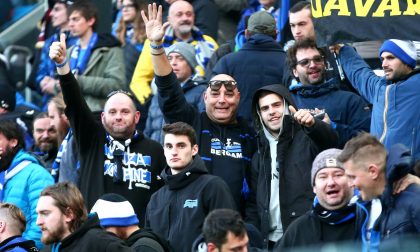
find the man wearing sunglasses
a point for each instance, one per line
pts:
(347, 112)
(226, 144)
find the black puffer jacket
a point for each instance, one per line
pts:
(296, 149)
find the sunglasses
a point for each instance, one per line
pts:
(215, 85)
(120, 91)
(305, 62)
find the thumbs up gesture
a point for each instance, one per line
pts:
(302, 116)
(58, 50)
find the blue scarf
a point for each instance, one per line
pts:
(78, 61)
(335, 217)
(57, 162)
(203, 49)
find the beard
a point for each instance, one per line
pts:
(184, 29)
(54, 235)
(7, 157)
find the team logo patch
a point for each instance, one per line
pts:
(230, 148)
(189, 203)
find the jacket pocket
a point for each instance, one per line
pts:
(401, 228)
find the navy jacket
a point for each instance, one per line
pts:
(259, 63)
(177, 210)
(349, 113)
(400, 213)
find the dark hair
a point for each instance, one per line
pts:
(86, 9)
(301, 44)
(272, 34)
(180, 129)
(11, 130)
(68, 198)
(300, 6)
(39, 116)
(221, 221)
(362, 149)
(14, 217)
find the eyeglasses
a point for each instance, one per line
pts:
(305, 62)
(127, 6)
(215, 85)
(120, 91)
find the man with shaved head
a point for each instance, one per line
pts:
(114, 156)
(226, 143)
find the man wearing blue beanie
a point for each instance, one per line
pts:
(395, 96)
(116, 215)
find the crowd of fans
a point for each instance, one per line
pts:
(156, 138)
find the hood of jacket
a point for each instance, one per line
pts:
(398, 164)
(190, 173)
(19, 243)
(106, 40)
(22, 155)
(192, 83)
(314, 90)
(275, 88)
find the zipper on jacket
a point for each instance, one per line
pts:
(385, 113)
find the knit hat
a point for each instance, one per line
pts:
(262, 22)
(405, 50)
(114, 211)
(186, 50)
(325, 159)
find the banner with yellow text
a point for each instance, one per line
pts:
(365, 20)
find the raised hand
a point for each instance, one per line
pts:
(58, 51)
(153, 23)
(302, 116)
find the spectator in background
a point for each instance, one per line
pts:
(224, 140)
(180, 27)
(177, 210)
(269, 6)
(182, 59)
(22, 178)
(65, 225)
(46, 76)
(395, 97)
(12, 225)
(375, 172)
(302, 27)
(333, 214)
(66, 163)
(117, 216)
(96, 59)
(257, 63)
(347, 112)
(46, 142)
(131, 33)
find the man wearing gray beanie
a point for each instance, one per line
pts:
(332, 218)
(181, 56)
(395, 97)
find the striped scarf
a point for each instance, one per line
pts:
(203, 49)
